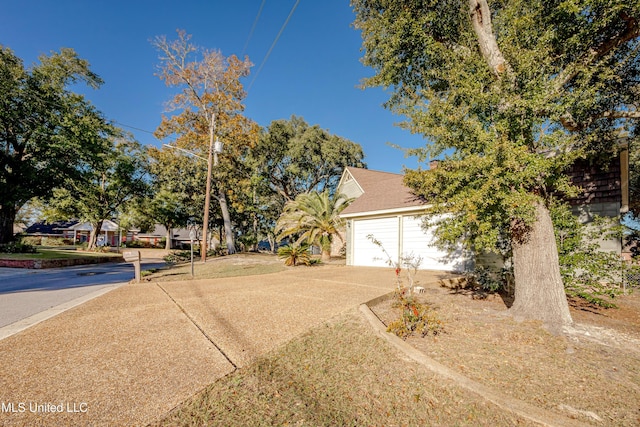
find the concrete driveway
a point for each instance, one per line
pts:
(133, 354)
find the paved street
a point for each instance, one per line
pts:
(25, 293)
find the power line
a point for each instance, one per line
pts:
(273, 45)
(255, 23)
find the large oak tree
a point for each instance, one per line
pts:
(508, 94)
(294, 158)
(48, 135)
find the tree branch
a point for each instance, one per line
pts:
(481, 20)
(621, 115)
(631, 31)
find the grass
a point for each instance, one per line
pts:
(342, 374)
(227, 266)
(57, 253)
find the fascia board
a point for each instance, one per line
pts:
(416, 210)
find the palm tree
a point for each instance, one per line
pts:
(315, 218)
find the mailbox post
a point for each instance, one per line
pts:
(133, 257)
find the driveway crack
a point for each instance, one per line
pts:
(202, 331)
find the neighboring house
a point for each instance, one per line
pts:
(50, 229)
(387, 210)
(179, 237)
(605, 192)
(76, 231)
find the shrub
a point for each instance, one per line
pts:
(415, 317)
(137, 244)
(177, 257)
(587, 271)
(17, 248)
(32, 240)
(55, 241)
(295, 254)
(489, 280)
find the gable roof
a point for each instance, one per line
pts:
(381, 191)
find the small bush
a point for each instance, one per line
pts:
(415, 317)
(489, 280)
(587, 271)
(295, 254)
(32, 240)
(55, 241)
(138, 244)
(17, 248)
(178, 257)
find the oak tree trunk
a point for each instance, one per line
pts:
(231, 247)
(7, 219)
(93, 235)
(167, 245)
(539, 292)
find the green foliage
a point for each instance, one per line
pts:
(137, 244)
(55, 241)
(178, 257)
(116, 179)
(176, 190)
(295, 158)
(488, 279)
(48, 135)
(313, 217)
(508, 109)
(415, 317)
(17, 248)
(31, 240)
(587, 271)
(295, 254)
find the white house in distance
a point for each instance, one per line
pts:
(387, 210)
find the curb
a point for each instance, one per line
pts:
(33, 320)
(518, 407)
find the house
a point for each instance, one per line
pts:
(156, 237)
(75, 231)
(605, 192)
(385, 209)
(53, 229)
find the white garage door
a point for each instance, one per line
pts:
(417, 242)
(365, 252)
(400, 236)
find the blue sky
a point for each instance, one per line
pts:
(313, 71)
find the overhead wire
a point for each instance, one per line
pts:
(275, 41)
(253, 27)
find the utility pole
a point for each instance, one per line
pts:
(207, 196)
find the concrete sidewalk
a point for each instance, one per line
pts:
(133, 354)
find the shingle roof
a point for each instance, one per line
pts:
(55, 227)
(382, 191)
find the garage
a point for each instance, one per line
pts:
(401, 236)
(384, 208)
